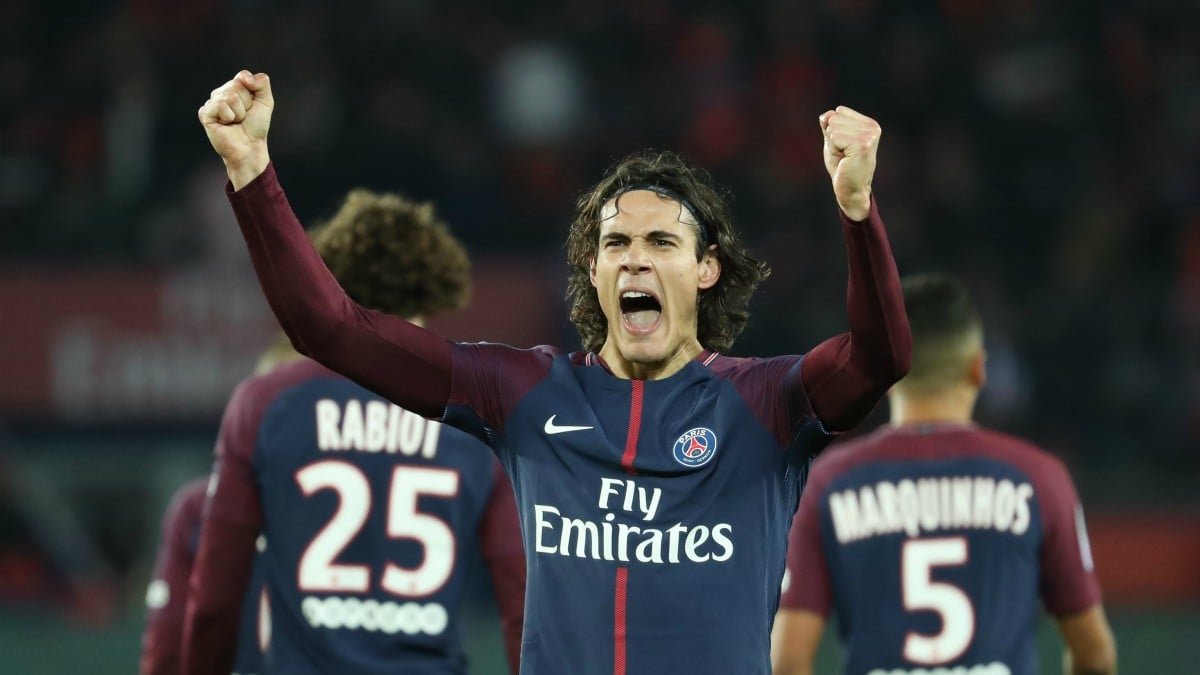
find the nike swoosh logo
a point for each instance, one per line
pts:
(552, 428)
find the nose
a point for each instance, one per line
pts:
(636, 260)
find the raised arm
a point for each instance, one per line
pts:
(846, 375)
(405, 363)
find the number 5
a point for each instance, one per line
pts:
(404, 521)
(953, 606)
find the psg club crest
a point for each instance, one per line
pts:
(694, 448)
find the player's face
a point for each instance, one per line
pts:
(647, 278)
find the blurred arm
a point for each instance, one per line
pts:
(846, 375)
(500, 537)
(1069, 587)
(794, 641)
(231, 522)
(166, 599)
(1090, 646)
(807, 592)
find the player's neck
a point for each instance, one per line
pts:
(634, 370)
(952, 406)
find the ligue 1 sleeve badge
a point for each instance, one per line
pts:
(695, 447)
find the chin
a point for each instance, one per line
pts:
(647, 354)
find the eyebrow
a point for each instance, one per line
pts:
(653, 234)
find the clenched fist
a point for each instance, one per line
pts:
(851, 142)
(236, 118)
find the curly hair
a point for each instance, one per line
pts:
(722, 311)
(394, 255)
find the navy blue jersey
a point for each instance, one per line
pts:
(369, 517)
(254, 631)
(654, 513)
(935, 545)
(166, 596)
(662, 506)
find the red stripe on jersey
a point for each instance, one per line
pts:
(619, 621)
(635, 425)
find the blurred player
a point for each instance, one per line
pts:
(369, 513)
(166, 596)
(656, 477)
(934, 539)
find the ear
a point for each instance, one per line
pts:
(977, 373)
(592, 270)
(709, 269)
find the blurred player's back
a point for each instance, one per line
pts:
(368, 514)
(934, 539)
(370, 518)
(934, 535)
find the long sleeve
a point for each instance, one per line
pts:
(166, 599)
(389, 355)
(231, 522)
(503, 553)
(808, 586)
(846, 375)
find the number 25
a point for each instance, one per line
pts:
(319, 572)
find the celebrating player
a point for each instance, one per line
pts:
(932, 538)
(368, 513)
(655, 477)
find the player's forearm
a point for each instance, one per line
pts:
(508, 583)
(164, 630)
(210, 642)
(160, 645)
(1100, 665)
(244, 171)
(792, 669)
(846, 376)
(1091, 648)
(383, 353)
(224, 563)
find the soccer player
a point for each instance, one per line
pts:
(166, 596)
(655, 476)
(933, 539)
(369, 514)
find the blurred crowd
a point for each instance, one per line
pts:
(1047, 153)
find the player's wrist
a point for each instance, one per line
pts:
(243, 170)
(857, 205)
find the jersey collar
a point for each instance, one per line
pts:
(704, 358)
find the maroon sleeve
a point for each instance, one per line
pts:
(1069, 584)
(500, 539)
(808, 584)
(491, 378)
(166, 598)
(225, 557)
(846, 375)
(388, 355)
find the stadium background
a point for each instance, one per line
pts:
(1047, 153)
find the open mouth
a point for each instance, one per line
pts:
(640, 311)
